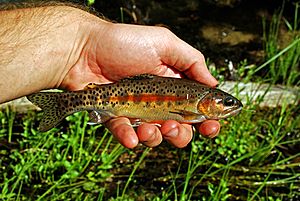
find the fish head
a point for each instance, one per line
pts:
(217, 104)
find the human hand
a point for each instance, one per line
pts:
(115, 51)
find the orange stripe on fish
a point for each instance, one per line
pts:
(148, 98)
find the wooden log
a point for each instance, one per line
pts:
(263, 94)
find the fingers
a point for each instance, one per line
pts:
(187, 59)
(123, 132)
(149, 135)
(179, 135)
(209, 128)
(175, 133)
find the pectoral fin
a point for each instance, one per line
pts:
(183, 112)
(189, 116)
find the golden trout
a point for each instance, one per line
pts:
(143, 98)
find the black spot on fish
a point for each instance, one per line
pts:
(159, 103)
(178, 103)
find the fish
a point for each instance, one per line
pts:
(142, 98)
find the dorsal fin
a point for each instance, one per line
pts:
(91, 86)
(140, 77)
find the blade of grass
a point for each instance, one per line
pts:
(145, 153)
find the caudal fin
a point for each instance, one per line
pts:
(53, 107)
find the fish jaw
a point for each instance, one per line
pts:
(233, 112)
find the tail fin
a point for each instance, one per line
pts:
(53, 107)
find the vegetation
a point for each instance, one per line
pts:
(255, 157)
(283, 63)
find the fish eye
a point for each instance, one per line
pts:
(229, 101)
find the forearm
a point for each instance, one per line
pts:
(38, 46)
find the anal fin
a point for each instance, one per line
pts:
(98, 117)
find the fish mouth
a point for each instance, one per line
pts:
(232, 111)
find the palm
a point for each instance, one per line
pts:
(112, 57)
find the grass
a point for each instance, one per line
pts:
(283, 63)
(255, 157)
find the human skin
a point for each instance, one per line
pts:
(65, 47)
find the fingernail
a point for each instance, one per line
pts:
(172, 133)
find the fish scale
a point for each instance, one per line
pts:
(148, 98)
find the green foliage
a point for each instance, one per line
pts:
(90, 2)
(282, 62)
(65, 164)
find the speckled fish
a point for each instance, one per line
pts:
(143, 98)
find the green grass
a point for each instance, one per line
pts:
(283, 56)
(61, 161)
(255, 157)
